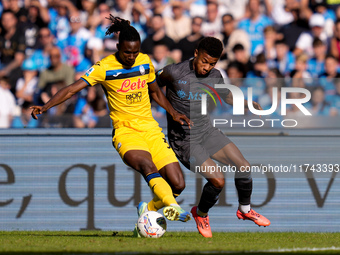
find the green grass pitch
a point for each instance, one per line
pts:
(109, 242)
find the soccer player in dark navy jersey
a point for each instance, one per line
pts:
(203, 143)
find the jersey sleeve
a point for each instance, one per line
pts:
(152, 75)
(96, 74)
(223, 92)
(164, 76)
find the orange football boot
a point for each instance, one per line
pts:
(202, 223)
(254, 216)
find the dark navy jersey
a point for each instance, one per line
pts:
(184, 90)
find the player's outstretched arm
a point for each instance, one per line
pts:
(158, 96)
(61, 96)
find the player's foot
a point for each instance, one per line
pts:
(254, 216)
(175, 212)
(141, 208)
(202, 223)
(135, 232)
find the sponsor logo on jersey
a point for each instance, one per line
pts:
(195, 97)
(127, 85)
(134, 98)
(115, 75)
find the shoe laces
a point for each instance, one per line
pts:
(205, 221)
(255, 214)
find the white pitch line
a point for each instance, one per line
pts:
(333, 248)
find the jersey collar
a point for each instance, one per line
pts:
(191, 64)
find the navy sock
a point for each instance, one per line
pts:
(244, 186)
(209, 197)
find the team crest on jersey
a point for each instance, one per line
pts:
(142, 70)
(181, 94)
(88, 72)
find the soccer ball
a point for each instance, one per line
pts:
(151, 224)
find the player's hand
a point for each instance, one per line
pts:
(257, 106)
(181, 117)
(35, 111)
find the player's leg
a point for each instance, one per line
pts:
(173, 174)
(213, 187)
(168, 166)
(231, 155)
(209, 196)
(142, 162)
(209, 143)
(195, 157)
(133, 147)
(165, 161)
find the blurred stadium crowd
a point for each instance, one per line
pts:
(48, 44)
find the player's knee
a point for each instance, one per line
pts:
(244, 164)
(178, 187)
(218, 183)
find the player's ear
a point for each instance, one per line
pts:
(196, 53)
(118, 46)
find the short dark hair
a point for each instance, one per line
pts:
(196, 17)
(9, 11)
(238, 47)
(228, 15)
(317, 42)
(212, 46)
(238, 66)
(157, 15)
(260, 58)
(127, 32)
(5, 79)
(280, 41)
(331, 56)
(277, 72)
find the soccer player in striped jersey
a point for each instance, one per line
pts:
(128, 79)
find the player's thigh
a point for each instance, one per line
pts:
(210, 170)
(141, 161)
(231, 155)
(215, 141)
(197, 159)
(160, 150)
(133, 149)
(191, 154)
